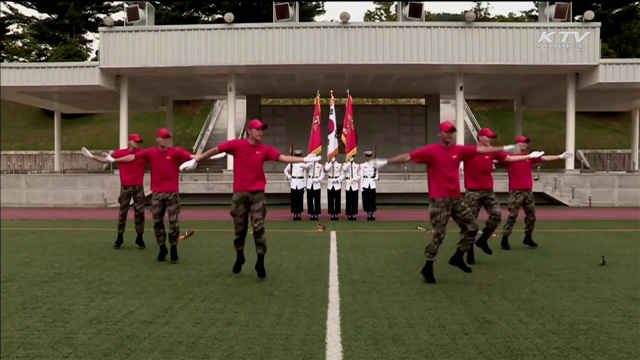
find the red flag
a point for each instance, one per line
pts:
(315, 140)
(349, 137)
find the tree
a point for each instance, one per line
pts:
(620, 26)
(384, 11)
(483, 12)
(59, 34)
(173, 13)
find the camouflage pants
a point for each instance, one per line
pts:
(245, 205)
(439, 212)
(484, 199)
(126, 193)
(170, 203)
(521, 199)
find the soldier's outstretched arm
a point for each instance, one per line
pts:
(297, 159)
(207, 154)
(563, 156)
(533, 155)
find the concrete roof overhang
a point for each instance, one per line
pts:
(541, 87)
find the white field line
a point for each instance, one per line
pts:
(334, 340)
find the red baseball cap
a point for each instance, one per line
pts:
(523, 139)
(135, 137)
(164, 133)
(447, 127)
(256, 124)
(487, 132)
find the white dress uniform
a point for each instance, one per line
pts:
(315, 174)
(351, 173)
(297, 176)
(369, 175)
(334, 187)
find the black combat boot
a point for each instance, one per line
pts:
(458, 261)
(140, 242)
(471, 258)
(482, 243)
(262, 273)
(119, 241)
(427, 272)
(174, 253)
(163, 252)
(505, 242)
(529, 241)
(239, 262)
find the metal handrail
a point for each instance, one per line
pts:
(471, 121)
(207, 127)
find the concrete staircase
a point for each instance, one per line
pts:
(215, 131)
(556, 192)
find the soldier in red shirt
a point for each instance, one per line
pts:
(521, 194)
(165, 164)
(478, 180)
(249, 182)
(131, 186)
(443, 169)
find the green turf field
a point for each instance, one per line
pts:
(67, 294)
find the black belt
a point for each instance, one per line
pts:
(334, 177)
(369, 177)
(297, 177)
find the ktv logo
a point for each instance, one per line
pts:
(559, 40)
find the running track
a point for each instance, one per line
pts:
(285, 215)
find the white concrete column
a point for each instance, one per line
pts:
(57, 140)
(169, 119)
(459, 109)
(635, 133)
(231, 113)
(517, 107)
(432, 118)
(571, 121)
(124, 111)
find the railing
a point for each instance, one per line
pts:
(471, 121)
(207, 127)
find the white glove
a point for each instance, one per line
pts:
(312, 158)
(536, 154)
(108, 157)
(377, 163)
(566, 155)
(512, 149)
(218, 156)
(188, 165)
(86, 153)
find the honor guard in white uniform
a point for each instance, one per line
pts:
(369, 175)
(351, 174)
(297, 176)
(334, 186)
(315, 174)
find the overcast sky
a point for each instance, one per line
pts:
(357, 9)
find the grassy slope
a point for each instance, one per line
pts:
(28, 128)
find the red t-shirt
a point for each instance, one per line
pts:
(131, 173)
(443, 164)
(248, 163)
(165, 167)
(478, 171)
(520, 174)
